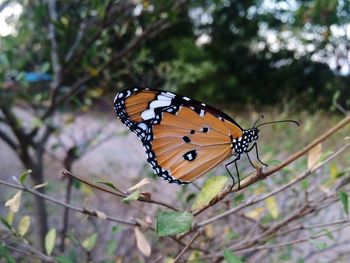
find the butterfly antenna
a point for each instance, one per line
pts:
(270, 122)
(260, 117)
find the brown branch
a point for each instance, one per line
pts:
(186, 247)
(119, 193)
(274, 246)
(82, 210)
(116, 60)
(28, 250)
(8, 140)
(283, 244)
(260, 175)
(255, 200)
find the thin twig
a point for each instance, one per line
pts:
(255, 200)
(283, 244)
(259, 175)
(29, 251)
(119, 193)
(72, 207)
(186, 247)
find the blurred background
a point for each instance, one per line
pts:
(62, 62)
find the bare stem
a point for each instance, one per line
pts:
(82, 210)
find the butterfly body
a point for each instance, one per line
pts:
(183, 138)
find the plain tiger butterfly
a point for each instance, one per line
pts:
(183, 138)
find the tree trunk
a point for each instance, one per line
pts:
(40, 205)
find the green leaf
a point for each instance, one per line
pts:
(6, 254)
(111, 247)
(90, 242)
(172, 223)
(115, 229)
(317, 244)
(230, 257)
(109, 184)
(345, 201)
(24, 175)
(209, 190)
(305, 184)
(132, 197)
(64, 259)
(7, 224)
(50, 240)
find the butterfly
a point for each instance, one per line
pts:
(184, 138)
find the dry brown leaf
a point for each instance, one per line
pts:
(142, 242)
(14, 203)
(143, 182)
(314, 156)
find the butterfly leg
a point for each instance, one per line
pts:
(250, 161)
(233, 179)
(257, 154)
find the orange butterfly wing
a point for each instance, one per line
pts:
(184, 139)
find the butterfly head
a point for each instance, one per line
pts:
(241, 144)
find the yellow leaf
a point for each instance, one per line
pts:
(14, 202)
(50, 240)
(210, 189)
(86, 189)
(333, 171)
(143, 182)
(168, 260)
(255, 213)
(142, 242)
(314, 156)
(259, 190)
(209, 231)
(23, 225)
(10, 217)
(272, 206)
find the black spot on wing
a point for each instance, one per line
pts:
(186, 139)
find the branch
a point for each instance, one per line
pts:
(56, 66)
(255, 200)
(82, 210)
(119, 193)
(278, 245)
(283, 244)
(186, 247)
(116, 60)
(27, 250)
(8, 140)
(259, 175)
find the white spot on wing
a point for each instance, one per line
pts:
(169, 94)
(143, 126)
(148, 114)
(162, 97)
(186, 98)
(159, 103)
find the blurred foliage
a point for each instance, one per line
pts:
(218, 51)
